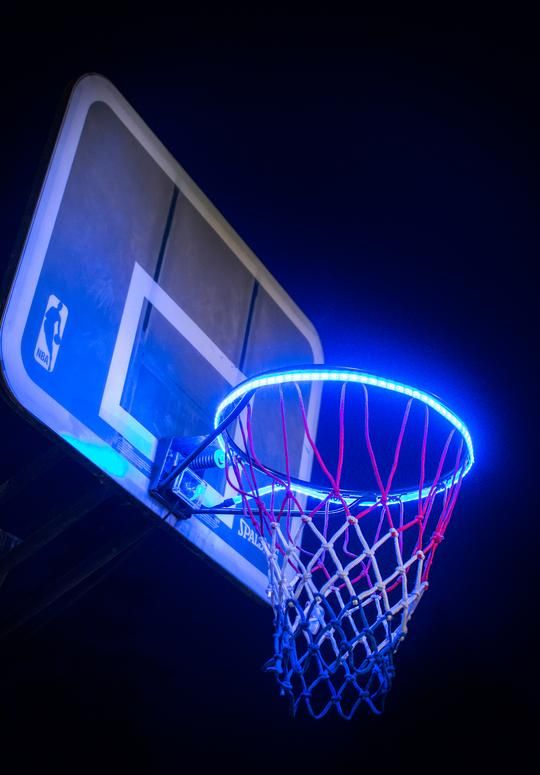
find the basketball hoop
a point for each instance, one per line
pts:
(347, 564)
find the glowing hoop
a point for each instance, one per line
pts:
(346, 567)
(343, 375)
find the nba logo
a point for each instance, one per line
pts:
(51, 333)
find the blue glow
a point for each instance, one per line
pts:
(219, 458)
(319, 494)
(189, 486)
(103, 456)
(359, 377)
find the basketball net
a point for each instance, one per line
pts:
(346, 572)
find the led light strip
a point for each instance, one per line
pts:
(350, 375)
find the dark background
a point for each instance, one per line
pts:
(386, 171)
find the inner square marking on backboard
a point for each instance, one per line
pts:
(143, 287)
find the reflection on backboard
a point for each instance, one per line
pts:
(134, 309)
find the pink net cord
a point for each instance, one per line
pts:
(344, 576)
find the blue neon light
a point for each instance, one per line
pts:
(110, 461)
(359, 377)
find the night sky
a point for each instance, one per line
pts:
(386, 172)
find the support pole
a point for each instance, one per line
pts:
(44, 535)
(74, 578)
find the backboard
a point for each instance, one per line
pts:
(134, 309)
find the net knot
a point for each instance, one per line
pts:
(393, 532)
(437, 537)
